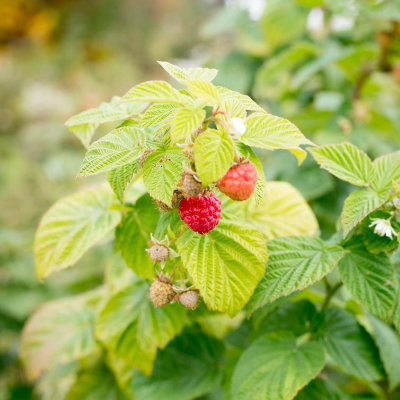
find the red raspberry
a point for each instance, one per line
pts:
(201, 213)
(239, 182)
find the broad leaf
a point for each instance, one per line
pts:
(245, 100)
(387, 170)
(270, 133)
(346, 162)
(369, 278)
(161, 172)
(131, 327)
(120, 147)
(186, 121)
(322, 389)
(84, 124)
(156, 92)
(133, 235)
(183, 75)
(71, 226)
(225, 265)
(358, 205)
(294, 263)
(60, 332)
(204, 90)
(119, 178)
(188, 368)
(159, 114)
(276, 367)
(95, 383)
(349, 345)
(214, 151)
(388, 342)
(234, 108)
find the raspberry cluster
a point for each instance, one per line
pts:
(201, 213)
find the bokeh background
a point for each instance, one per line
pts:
(330, 66)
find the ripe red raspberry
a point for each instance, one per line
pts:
(239, 182)
(201, 213)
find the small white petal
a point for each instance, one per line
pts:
(238, 126)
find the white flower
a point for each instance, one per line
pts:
(238, 126)
(396, 202)
(383, 227)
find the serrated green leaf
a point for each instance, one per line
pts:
(133, 329)
(183, 75)
(71, 226)
(204, 90)
(294, 263)
(162, 171)
(369, 278)
(282, 212)
(247, 102)
(155, 92)
(276, 367)
(225, 265)
(271, 133)
(346, 162)
(133, 235)
(188, 368)
(96, 382)
(119, 178)
(388, 342)
(321, 389)
(358, 205)
(84, 124)
(60, 332)
(120, 147)
(234, 108)
(186, 121)
(349, 345)
(214, 152)
(247, 152)
(387, 170)
(159, 114)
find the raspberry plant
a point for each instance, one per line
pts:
(227, 298)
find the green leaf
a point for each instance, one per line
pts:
(162, 171)
(234, 108)
(183, 75)
(369, 278)
(204, 90)
(119, 178)
(245, 100)
(388, 342)
(225, 265)
(387, 170)
(84, 124)
(282, 212)
(276, 367)
(214, 152)
(120, 147)
(294, 263)
(186, 121)
(187, 369)
(346, 162)
(71, 226)
(246, 151)
(160, 114)
(270, 133)
(155, 92)
(320, 389)
(349, 345)
(95, 383)
(131, 327)
(60, 332)
(133, 235)
(358, 205)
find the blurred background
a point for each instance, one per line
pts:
(330, 66)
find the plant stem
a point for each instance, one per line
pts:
(330, 294)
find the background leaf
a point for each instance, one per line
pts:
(71, 226)
(225, 265)
(214, 152)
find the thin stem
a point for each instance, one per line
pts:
(330, 294)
